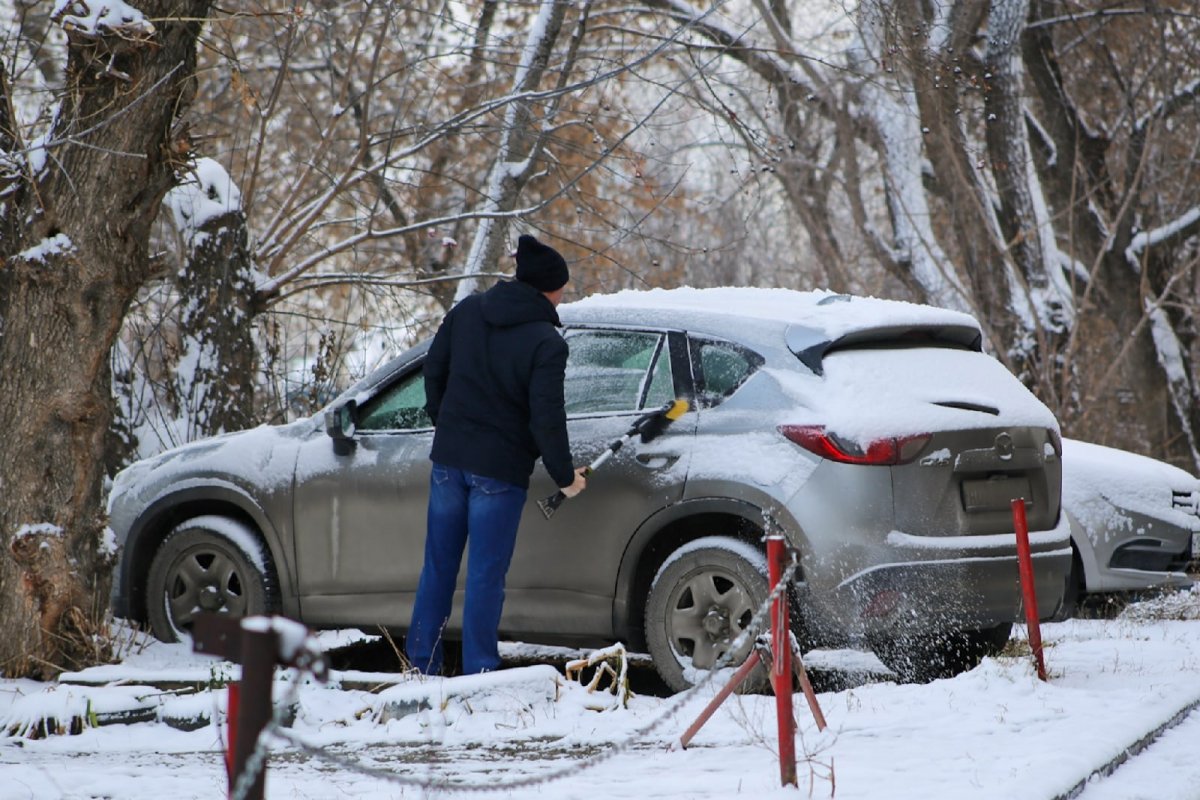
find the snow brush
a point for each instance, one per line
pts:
(648, 426)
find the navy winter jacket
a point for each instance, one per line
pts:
(494, 386)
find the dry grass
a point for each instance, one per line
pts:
(1180, 605)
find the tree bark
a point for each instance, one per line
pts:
(217, 288)
(74, 245)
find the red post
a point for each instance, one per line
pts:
(809, 694)
(1029, 591)
(781, 666)
(742, 673)
(255, 644)
(231, 715)
(258, 650)
(781, 672)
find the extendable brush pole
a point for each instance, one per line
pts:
(648, 426)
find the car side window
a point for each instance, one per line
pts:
(400, 406)
(721, 367)
(615, 371)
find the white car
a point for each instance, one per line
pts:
(1135, 521)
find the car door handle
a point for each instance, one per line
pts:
(656, 460)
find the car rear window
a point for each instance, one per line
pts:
(869, 392)
(811, 346)
(720, 368)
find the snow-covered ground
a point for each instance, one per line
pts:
(995, 732)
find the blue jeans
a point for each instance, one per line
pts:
(464, 509)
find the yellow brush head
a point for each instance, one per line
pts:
(678, 408)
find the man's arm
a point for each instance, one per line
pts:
(437, 368)
(547, 410)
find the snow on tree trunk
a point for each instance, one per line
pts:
(1173, 361)
(1016, 184)
(74, 233)
(890, 101)
(520, 145)
(1037, 296)
(214, 380)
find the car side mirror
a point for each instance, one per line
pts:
(340, 423)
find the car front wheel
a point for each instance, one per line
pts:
(704, 596)
(208, 564)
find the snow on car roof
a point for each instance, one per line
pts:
(835, 314)
(917, 389)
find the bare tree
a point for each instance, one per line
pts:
(364, 142)
(78, 201)
(1036, 161)
(1116, 125)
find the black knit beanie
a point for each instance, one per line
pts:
(540, 265)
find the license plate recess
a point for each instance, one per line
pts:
(996, 494)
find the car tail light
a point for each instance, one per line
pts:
(882, 604)
(878, 452)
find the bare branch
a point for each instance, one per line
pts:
(1178, 229)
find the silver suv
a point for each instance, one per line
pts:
(875, 435)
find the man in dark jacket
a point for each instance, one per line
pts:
(494, 389)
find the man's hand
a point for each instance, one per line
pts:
(578, 485)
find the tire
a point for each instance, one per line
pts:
(704, 595)
(921, 658)
(209, 563)
(1074, 594)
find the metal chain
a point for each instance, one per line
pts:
(275, 728)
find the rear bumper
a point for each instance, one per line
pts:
(953, 583)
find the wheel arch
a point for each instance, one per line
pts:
(1086, 551)
(661, 535)
(163, 515)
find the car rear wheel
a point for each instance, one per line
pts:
(213, 564)
(921, 658)
(704, 596)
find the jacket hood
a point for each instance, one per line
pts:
(512, 303)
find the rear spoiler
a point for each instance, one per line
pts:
(811, 345)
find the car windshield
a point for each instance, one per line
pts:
(382, 374)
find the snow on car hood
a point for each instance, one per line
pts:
(255, 452)
(1100, 483)
(868, 393)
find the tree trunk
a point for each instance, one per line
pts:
(1114, 388)
(218, 292)
(1122, 389)
(213, 390)
(74, 243)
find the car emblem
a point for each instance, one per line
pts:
(1004, 446)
